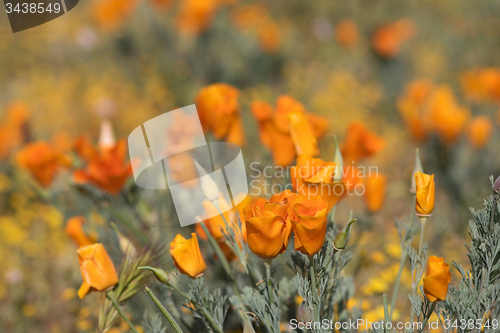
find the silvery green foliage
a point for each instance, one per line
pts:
(212, 302)
(153, 323)
(256, 301)
(334, 289)
(476, 295)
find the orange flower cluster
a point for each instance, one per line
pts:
(218, 109)
(255, 19)
(426, 108)
(289, 130)
(482, 84)
(388, 39)
(13, 129)
(437, 279)
(106, 168)
(43, 161)
(346, 33)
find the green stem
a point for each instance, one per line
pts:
(267, 264)
(314, 288)
(397, 284)
(423, 220)
(386, 311)
(164, 311)
(433, 306)
(492, 212)
(120, 311)
(221, 257)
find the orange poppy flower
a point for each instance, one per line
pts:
(346, 33)
(105, 169)
(218, 109)
(360, 143)
(268, 226)
(288, 131)
(195, 16)
(388, 39)
(97, 269)
(13, 131)
(412, 107)
(269, 36)
(437, 279)
(110, 14)
(425, 196)
(74, 229)
(42, 161)
(187, 256)
(479, 131)
(309, 223)
(482, 84)
(313, 176)
(375, 189)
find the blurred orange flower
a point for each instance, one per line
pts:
(13, 130)
(313, 176)
(308, 216)
(187, 256)
(375, 190)
(360, 143)
(289, 130)
(218, 109)
(448, 118)
(194, 16)
(437, 279)
(479, 131)
(43, 161)
(106, 168)
(412, 107)
(74, 229)
(97, 269)
(269, 36)
(346, 33)
(482, 84)
(110, 14)
(425, 197)
(387, 40)
(181, 169)
(268, 226)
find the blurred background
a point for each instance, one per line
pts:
(419, 75)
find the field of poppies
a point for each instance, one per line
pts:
(368, 131)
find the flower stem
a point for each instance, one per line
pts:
(433, 306)
(267, 264)
(493, 211)
(386, 311)
(221, 257)
(120, 311)
(164, 311)
(397, 284)
(423, 220)
(314, 288)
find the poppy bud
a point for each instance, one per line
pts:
(160, 274)
(343, 236)
(496, 185)
(304, 314)
(417, 168)
(339, 162)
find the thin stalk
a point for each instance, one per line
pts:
(120, 311)
(493, 211)
(433, 306)
(314, 288)
(221, 257)
(386, 311)
(267, 264)
(423, 221)
(164, 311)
(397, 284)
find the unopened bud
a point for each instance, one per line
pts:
(496, 185)
(160, 274)
(418, 167)
(343, 236)
(339, 161)
(304, 314)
